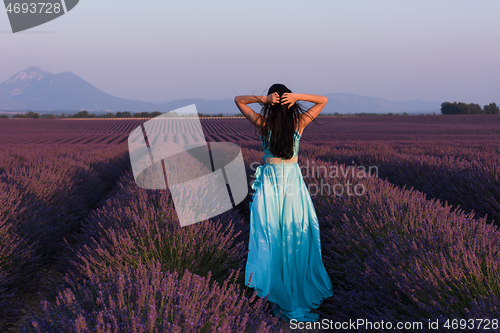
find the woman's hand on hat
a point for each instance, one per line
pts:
(289, 98)
(273, 98)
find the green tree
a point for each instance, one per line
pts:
(144, 114)
(447, 108)
(172, 114)
(491, 108)
(30, 114)
(124, 114)
(463, 108)
(472, 108)
(83, 114)
(49, 116)
(475, 109)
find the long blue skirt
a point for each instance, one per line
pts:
(284, 260)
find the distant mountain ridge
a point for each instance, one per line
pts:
(351, 103)
(36, 90)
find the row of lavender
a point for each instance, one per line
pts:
(403, 257)
(369, 128)
(139, 271)
(45, 191)
(462, 174)
(393, 255)
(68, 183)
(465, 174)
(135, 233)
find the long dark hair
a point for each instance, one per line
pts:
(282, 122)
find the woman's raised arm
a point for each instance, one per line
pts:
(320, 102)
(251, 115)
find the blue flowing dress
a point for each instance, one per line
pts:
(284, 260)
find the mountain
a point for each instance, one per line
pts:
(36, 90)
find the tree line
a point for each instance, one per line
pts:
(463, 108)
(86, 114)
(119, 114)
(446, 108)
(30, 114)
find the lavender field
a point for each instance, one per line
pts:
(84, 249)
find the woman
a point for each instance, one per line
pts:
(284, 260)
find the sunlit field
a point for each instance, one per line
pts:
(408, 208)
